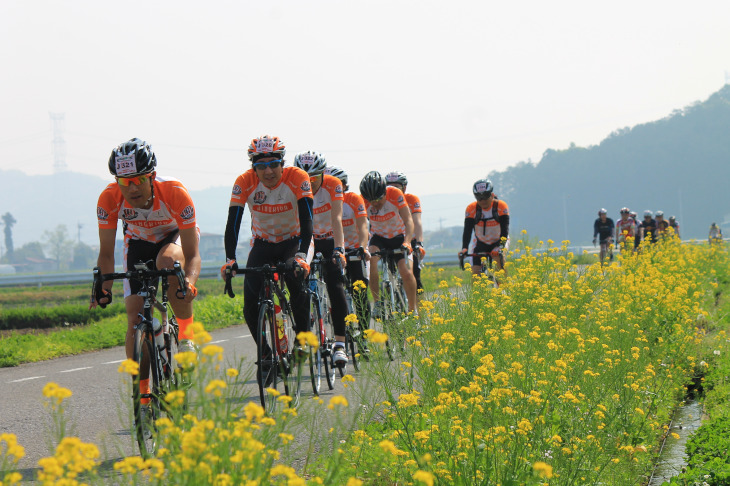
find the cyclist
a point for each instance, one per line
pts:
(398, 180)
(625, 227)
(662, 225)
(488, 219)
(329, 240)
(674, 224)
(648, 227)
(355, 228)
(280, 201)
(159, 224)
(391, 226)
(715, 235)
(603, 227)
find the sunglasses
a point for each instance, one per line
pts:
(483, 198)
(378, 199)
(273, 164)
(136, 180)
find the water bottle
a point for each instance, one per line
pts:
(159, 337)
(281, 341)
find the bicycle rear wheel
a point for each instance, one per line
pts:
(145, 416)
(387, 304)
(327, 337)
(296, 362)
(270, 372)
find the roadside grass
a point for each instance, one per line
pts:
(559, 377)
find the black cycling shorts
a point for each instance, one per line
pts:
(136, 251)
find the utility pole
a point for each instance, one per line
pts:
(79, 226)
(59, 143)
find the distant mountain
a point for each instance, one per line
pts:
(679, 164)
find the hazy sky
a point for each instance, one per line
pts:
(444, 91)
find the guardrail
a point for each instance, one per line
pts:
(206, 271)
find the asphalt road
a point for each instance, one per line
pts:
(99, 410)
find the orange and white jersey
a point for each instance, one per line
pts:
(386, 221)
(274, 212)
(172, 209)
(414, 203)
(487, 228)
(626, 228)
(352, 209)
(330, 190)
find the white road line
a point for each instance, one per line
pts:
(219, 341)
(241, 337)
(76, 369)
(114, 362)
(26, 379)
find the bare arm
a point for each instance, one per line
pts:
(191, 252)
(417, 227)
(105, 262)
(405, 215)
(337, 232)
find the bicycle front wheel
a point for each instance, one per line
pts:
(145, 414)
(270, 372)
(327, 339)
(315, 357)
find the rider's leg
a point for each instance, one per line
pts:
(183, 310)
(409, 284)
(374, 277)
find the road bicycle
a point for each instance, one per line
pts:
(486, 264)
(606, 250)
(155, 345)
(354, 331)
(392, 302)
(320, 361)
(278, 370)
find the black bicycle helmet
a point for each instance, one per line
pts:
(132, 158)
(482, 189)
(396, 177)
(372, 186)
(338, 172)
(311, 162)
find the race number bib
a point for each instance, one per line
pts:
(265, 146)
(126, 165)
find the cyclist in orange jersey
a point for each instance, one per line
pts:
(329, 241)
(280, 201)
(488, 219)
(159, 224)
(355, 228)
(625, 227)
(391, 226)
(399, 180)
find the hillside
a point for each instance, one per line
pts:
(677, 164)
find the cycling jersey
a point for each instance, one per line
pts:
(649, 228)
(626, 228)
(489, 225)
(330, 190)
(353, 208)
(603, 228)
(386, 221)
(414, 203)
(172, 209)
(274, 212)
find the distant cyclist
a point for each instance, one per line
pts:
(280, 201)
(355, 228)
(487, 219)
(398, 180)
(603, 227)
(329, 240)
(715, 235)
(159, 225)
(662, 225)
(625, 228)
(648, 227)
(674, 224)
(391, 226)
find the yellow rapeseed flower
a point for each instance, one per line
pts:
(129, 367)
(423, 477)
(337, 400)
(543, 469)
(215, 387)
(308, 338)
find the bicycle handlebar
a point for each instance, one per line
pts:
(141, 272)
(267, 270)
(487, 254)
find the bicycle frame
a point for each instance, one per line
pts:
(392, 299)
(155, 364)
(321, 325)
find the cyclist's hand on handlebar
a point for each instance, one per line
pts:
(594, 242)
(407, 248)
(102, 298)
(229, 264)
(463, 252)
(298, 266)
(420, 250)
(339, 254)
(192, 291)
